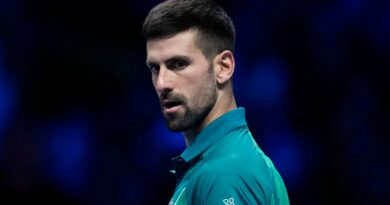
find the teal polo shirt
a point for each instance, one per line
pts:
(224, 165)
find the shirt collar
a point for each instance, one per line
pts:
(214, 132)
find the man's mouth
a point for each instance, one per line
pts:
(171, 106)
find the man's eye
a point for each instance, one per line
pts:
(177, 64)
(154, 68)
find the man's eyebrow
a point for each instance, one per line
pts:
(177, 57)
(170, 59)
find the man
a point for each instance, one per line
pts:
(190, 47)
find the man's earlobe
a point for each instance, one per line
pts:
(226, 64)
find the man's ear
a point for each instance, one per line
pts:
(224, 67)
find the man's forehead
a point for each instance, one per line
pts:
(180, 44)
(184, 39)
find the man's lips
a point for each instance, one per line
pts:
(170, 106)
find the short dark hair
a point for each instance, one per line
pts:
(215, 28)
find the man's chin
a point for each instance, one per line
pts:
(178, 121)
(174, 122)
(175, 129)
(175, 126)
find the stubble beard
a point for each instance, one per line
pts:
(195, 110)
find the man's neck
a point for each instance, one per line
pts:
(218, 110)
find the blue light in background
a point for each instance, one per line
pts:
(164, 139)
(7, 98)
(287, 153)
(67, 147)
(265, 85)
(354, 7)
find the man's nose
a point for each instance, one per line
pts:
(164, 82)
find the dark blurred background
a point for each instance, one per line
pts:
(80, 122)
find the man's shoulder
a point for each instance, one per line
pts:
(230, 176)
(231, 170)
(224, 179)
(220, 166)
(237, 152)
(244, 166)
(234, 166)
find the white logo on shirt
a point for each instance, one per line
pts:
(229, 201)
